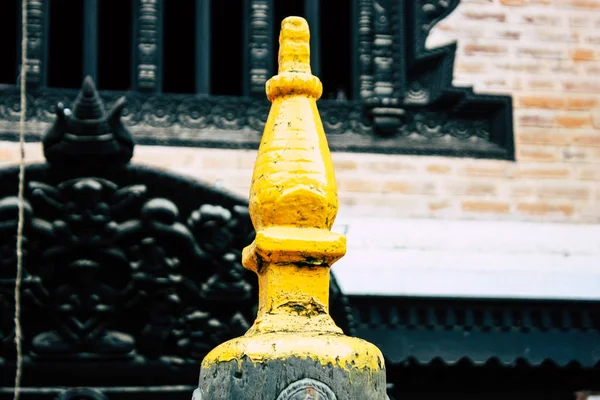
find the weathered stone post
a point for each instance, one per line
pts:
(294, 350)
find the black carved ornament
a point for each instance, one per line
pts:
(86, 134)
(122, 262)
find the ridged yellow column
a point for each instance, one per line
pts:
(294, 350)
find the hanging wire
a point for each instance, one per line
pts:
(20, 225)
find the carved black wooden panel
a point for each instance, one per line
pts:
(148, 41)
(36, 40)
(408, 88)
(404, 99)
(259, 35)
(126, 267)
(117, 270)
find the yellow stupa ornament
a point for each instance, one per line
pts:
(294, 348)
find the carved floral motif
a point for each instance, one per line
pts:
(239, 114)
(113, 274)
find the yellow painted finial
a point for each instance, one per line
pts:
(293, 198)
(293, 204)
(294, 46)
(294, 63)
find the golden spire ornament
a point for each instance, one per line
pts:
(294, 349)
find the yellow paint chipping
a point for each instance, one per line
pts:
(346, 352)
(293, 205)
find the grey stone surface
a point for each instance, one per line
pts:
(246, 380)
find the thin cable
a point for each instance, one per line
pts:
(20, 225)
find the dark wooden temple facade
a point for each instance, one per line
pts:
(194, 72)
(133, 274)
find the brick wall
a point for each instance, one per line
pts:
(545, 53)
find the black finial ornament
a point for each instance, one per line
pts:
(88, 105)
(86, 134)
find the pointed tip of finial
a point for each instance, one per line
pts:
(294, 45)
(88, 86)
(88, 104)
(294, 75)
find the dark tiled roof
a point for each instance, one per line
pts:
(452, 331)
